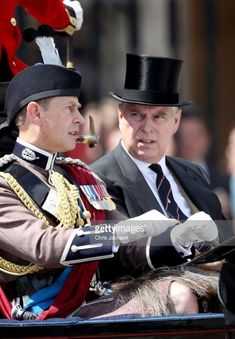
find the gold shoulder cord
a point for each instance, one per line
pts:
(67, 199)
(67, 214)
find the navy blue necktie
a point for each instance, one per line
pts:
(165, 194)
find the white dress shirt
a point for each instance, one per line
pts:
(150, 177)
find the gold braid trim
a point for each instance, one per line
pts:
(67, 209)
(15, 269)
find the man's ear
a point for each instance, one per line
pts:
(33, 112)
(120, 114)
(177, 120)
(120, 110)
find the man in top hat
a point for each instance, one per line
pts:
(54, 210)
(138, 174)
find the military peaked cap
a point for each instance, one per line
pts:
(38, 82)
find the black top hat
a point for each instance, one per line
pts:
(151, 81)
(39, 82)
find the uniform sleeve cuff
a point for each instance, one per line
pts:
(89, 243)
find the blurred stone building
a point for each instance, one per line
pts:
(201, 32)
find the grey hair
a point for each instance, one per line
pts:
(21, 115)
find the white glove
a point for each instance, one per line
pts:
(198, 227)
(148, 224)
(75, 6)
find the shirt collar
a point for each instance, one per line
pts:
(34, 155)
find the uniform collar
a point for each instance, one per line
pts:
(34, 155)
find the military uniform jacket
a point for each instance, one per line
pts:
(28, 236)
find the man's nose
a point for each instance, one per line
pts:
(79, 118)
(147, 125)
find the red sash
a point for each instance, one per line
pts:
(77, 285)
(5, 305)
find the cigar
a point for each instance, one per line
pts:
(92, 138)
(89, 139)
